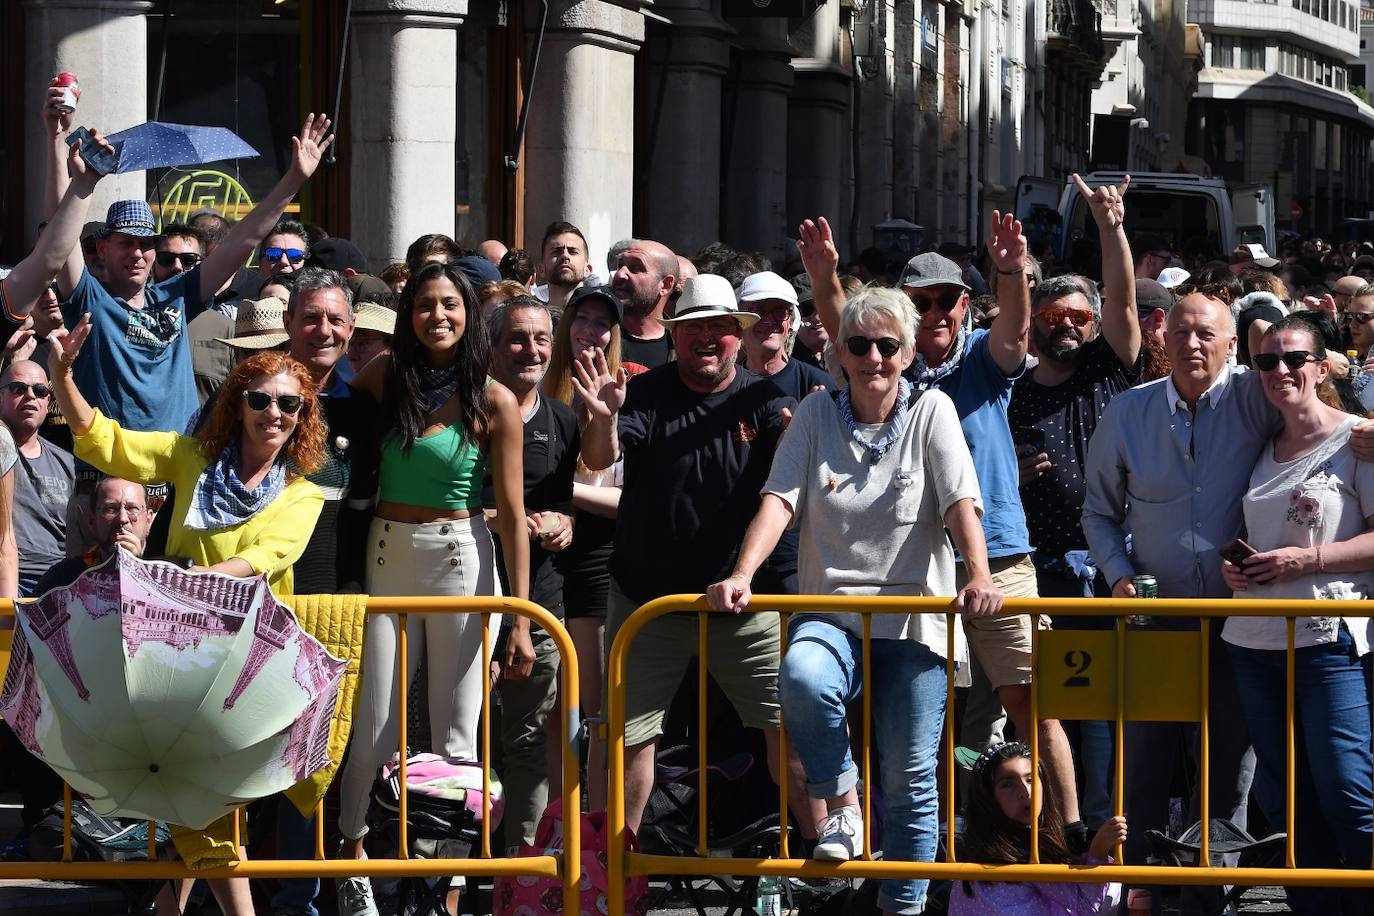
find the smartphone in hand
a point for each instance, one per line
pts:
(1236, 552)
(96, 156)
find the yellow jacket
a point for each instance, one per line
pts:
(270, 541)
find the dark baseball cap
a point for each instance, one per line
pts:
(1151, 295)
(583, 293)
(338, 254)
(479, 271)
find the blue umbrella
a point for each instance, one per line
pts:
(156, 145)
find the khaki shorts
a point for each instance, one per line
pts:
(743, 655)
(1003, 644)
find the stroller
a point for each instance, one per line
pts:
(444, 818)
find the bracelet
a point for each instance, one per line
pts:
(1008, 273)
(1321, 561)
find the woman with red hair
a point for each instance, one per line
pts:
(248, 508)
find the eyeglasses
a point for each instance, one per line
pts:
(947, 302)
(1057, 313)
(1210, 290)
(1359, 317)
(1293, 359)
(168, 258)
(778, 313)
(1162, 255)
(887, 346)
(19, 389)
(288, 404)
(294, 255)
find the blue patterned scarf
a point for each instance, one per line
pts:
(221, 500)
(926, 377)
(877, 449)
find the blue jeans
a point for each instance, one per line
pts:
(821, 672)
(295, 840)
(1332, 733)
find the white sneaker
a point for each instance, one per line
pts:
(355, 897)
(840, 835)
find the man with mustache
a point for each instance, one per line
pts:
(1090, 351)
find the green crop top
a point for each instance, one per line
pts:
(441, 471)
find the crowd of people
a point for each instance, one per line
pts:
(503, 421)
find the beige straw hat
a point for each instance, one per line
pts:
(261, 325)
(373, 316)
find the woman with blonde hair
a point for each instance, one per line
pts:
(591, 321)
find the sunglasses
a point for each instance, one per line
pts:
(1293, 359)
(778, 313)
(1210, 290)
(1360, 317)
(19, 389)
(1056, 314)
(168, 258)
(289, 404)
(887, 346)
(294, 255)
(947, 303)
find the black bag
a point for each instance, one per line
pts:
(95, 838)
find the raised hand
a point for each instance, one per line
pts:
(54, 121)
(816, 245)
(1108, 208)
(1006, 244)
(85, 178)
(309, 145)
(66, 345)
(602, 392)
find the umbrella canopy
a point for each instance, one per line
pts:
(157, 145)
(167, 695)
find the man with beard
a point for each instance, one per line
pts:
(563, 257)
(1090, 351)
(645, 280)
(1088, 354)
(698, 438)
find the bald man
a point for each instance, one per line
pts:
(645, 281)
(493, 250)
(1343, 290)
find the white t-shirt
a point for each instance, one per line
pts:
(9, 452)
(877, 529)
(1322, 498)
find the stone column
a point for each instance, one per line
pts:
(105, 43)
(403, 72)
(755, 200)
(579, 147)
(818, 126)
(681, 164)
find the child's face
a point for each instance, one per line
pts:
(1012, 788)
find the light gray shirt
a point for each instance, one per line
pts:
(1174, 481)
(877, 529)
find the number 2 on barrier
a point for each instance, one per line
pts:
(1076, 670)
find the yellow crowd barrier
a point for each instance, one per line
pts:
(566, 867)
(1122, 675)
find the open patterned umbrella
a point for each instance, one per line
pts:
(157, 145)
(168, 695)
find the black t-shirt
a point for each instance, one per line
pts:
(644, 354)
(1066, 416)
(694, 468)
(796, 379)
(552, 444)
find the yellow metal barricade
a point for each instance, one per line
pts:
(566, 867)
(1120, 675)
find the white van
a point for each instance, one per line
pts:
(1191, 212)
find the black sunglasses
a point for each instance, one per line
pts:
(288, 404)
(168, 258)
(947, 303)
(1293, 359)
(1359, 317)
(294, 255)
(887, 346)
(19, 389)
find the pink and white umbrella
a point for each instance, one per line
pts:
(168, 695)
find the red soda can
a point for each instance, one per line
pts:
(71, 92)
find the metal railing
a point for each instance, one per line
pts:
(1184, 698)
(566, 867)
